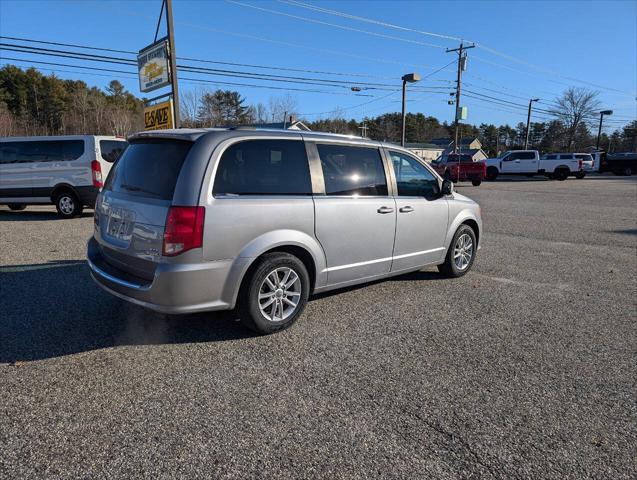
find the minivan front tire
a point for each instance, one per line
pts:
(68, 205)
(275, 293)
(461, 253)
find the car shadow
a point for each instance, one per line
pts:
(55, 309)
(410, 277)
(625, 231)
(34, 216)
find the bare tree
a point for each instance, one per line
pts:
(120, 120)
(81, 107)
(8, 125)
(283, 106)
(261, 113)
(190, 100)
(573, 108)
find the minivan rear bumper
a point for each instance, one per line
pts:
(175, 288)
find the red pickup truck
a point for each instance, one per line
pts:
(460, 167)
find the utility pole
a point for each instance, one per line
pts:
(173, 59)
(528, 122)
(461, 63)
(363, 128)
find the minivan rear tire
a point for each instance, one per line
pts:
(449, 268)
(68, 205)
(271, 265)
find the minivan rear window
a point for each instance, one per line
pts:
(149, 168)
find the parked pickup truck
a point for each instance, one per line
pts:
(529, 163)
(460, 167)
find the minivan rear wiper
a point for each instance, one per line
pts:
(134, 188)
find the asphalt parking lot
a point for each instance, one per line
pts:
(524, 368)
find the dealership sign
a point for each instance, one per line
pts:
(159, 116)
(153, 66)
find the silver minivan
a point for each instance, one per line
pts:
(213, 219)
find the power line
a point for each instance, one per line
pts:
(195, 80)
(342, 27)
(366, 20)
(190, 59)
(484, 47)
(129, 12)
(201, 70)
(204, 70)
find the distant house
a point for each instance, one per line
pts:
(291, 124)
(468, 145)
(426, 151)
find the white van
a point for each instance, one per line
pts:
(67, 171)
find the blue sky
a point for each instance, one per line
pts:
(532, 49)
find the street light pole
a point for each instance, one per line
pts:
(601, 118)
(528, 123)
(411, 78)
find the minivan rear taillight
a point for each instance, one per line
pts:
(184, 230)
(96, 172)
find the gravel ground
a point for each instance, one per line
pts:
(524, 368)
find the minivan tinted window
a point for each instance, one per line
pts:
(352, 170)
(112, 149)
(412, 178)
(149, 168)
(264, 167)
(41, 151)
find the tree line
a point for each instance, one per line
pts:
(35, 104)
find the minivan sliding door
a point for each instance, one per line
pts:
(356, 216)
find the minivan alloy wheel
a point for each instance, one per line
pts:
(463, 251)
(280, 294)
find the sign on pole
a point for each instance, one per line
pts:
(153, 66)
(159, 116)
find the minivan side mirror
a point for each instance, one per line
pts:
(447, 187)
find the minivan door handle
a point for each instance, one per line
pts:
(406, 209)
(385, 210)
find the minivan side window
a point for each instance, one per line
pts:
(349, 170)
(112, 149)
(264, 167)
(41, 151)
(412, 178)
(568, 156)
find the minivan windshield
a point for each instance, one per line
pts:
(149, 168)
